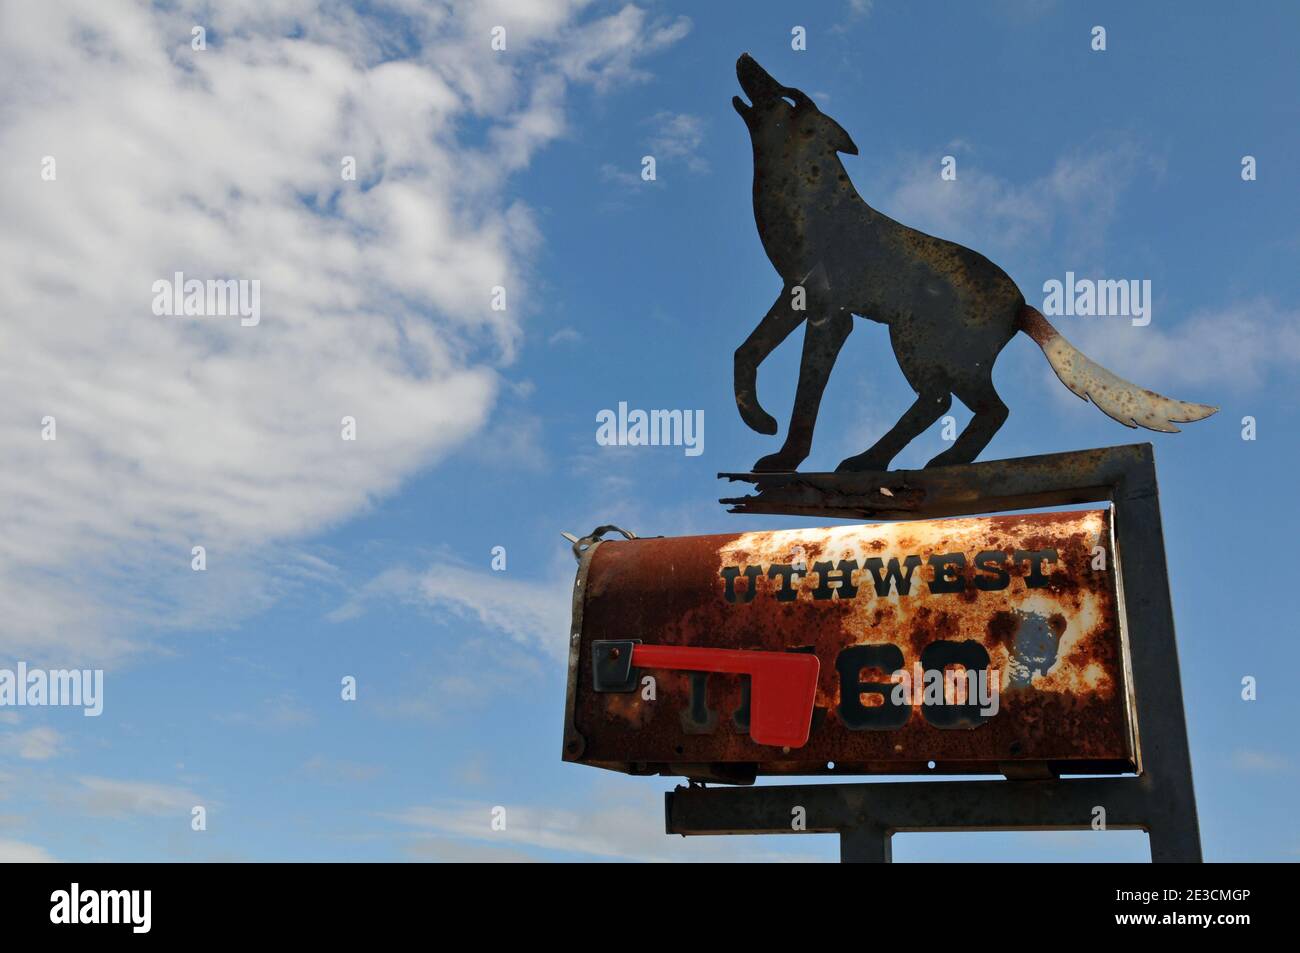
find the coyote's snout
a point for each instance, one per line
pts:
(950, 310)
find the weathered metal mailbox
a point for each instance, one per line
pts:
(976, 645)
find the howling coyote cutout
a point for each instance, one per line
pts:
(950, 310)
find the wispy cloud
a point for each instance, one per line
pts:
(627, 178)
(678, 136)
(1073, 203)
(18, 852)
(673, 140)
(564, 335)
(1236, 347)
(1261, 762)
(855, 12)
(615, 822)
(532, 613)
(35, 744)
(375, 293)
(108, 797)
(606, 51)
(515, 441)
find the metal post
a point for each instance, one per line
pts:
(1166, 762)
(869, 844)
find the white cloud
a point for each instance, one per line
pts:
(35, 744)
(515, 441)
(605, 51)
(627, 178)
(226, 163)
(1077, 197)
(569, 335)
(857, 11)
(1260, 762)
(673, 140)
(107, 797)
(678, 136)
(1235, 347)
(449, 850)
(533, 614)
(17, 852)
(618, 821)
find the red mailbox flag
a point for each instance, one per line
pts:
(783, 685)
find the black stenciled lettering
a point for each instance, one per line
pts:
(972, 657)
(893, 575)
(786, 592)
(846, 588)
(992, 563)
(1036, 579)
(855, 715)
(729, 576)
(948, 572)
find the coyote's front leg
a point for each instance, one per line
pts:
(822, 339)
(780, 320)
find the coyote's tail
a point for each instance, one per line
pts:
(1131, 405)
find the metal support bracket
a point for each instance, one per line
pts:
(611, 665)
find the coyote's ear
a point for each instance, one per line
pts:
(840, 140)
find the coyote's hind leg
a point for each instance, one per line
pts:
(990, 415)
(930, 405)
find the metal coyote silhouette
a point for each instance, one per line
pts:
(950, 310)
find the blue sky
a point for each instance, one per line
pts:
(477, 428)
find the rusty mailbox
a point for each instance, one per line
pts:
(975, 645)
